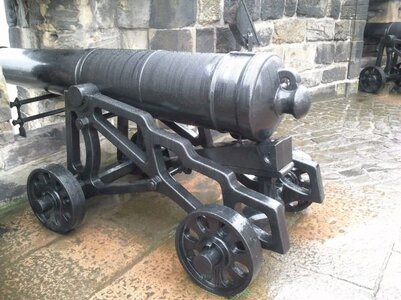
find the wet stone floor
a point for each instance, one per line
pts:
(347, 248)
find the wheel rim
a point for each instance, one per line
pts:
(56, 198)
(372, 79)
(219, 254)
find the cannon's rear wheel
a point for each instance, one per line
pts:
(56, 198)
(219, 249)
(372, 79)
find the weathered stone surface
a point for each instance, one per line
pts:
(356, 12)
(325, 53)
(334, 74)
(335, 9)
(312, 8)
(293, 31)
(384, 11)
(272, 9)
(23, 37)
(133, 14)
(354, 69)
(343, 51)
(352, 88)
(300, 57)
(172, 13)
(311, 78)
(5, 113)
(342, 30)
(209, 11)
(104, 12)
(225, 41)
(176, 40)
(320, 30)
(390, 286)
(254, 7)
(290, 7)
(356, 50)
(265, 32)
(359, 29)
(205, 40)
(134, 39)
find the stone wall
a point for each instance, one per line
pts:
(321, 39)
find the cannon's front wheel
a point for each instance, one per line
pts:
(219, 249)
(56, 198)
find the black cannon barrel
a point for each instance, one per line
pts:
(236, 92)
(380, 30)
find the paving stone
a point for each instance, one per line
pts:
(390, 285)
(287, 281)
(331, 239)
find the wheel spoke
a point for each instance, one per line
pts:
(241, 257)
(236, 276)
(214, 225)
(189, 242)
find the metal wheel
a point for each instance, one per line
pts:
(397, 71)
(372, 79)
(219, 249)
(56, 198)
(298, 178)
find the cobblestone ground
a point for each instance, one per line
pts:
(347, 248)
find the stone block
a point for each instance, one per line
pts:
(311, 78)
(134, 39)
(133, 13)
(300, 57)
(341, 89)
(6, 133)
(343, 51)
(205, 40)
(272, 9)
(23, 37)
(320, 30)
(5, 113)
(359, 29)
(356, 50)
(290, 7)
(334, 9)
(175, 40)
(253, 6)
(225, 41)
(352, 88)
(289, 31)
(172, 13)
(350, 10)
(325, 53)
(265, 32)
(209, 11)
(354, 69)
(384, 11)
(323, 93)
(334, 74)
(342, 30)
(312, 8)
(104, 13)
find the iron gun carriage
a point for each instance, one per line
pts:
(386, 38)
(244, 94)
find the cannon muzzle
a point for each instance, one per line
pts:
(380, 30)
(241, 93)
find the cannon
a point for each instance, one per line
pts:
(387, 39)
(162, 93)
